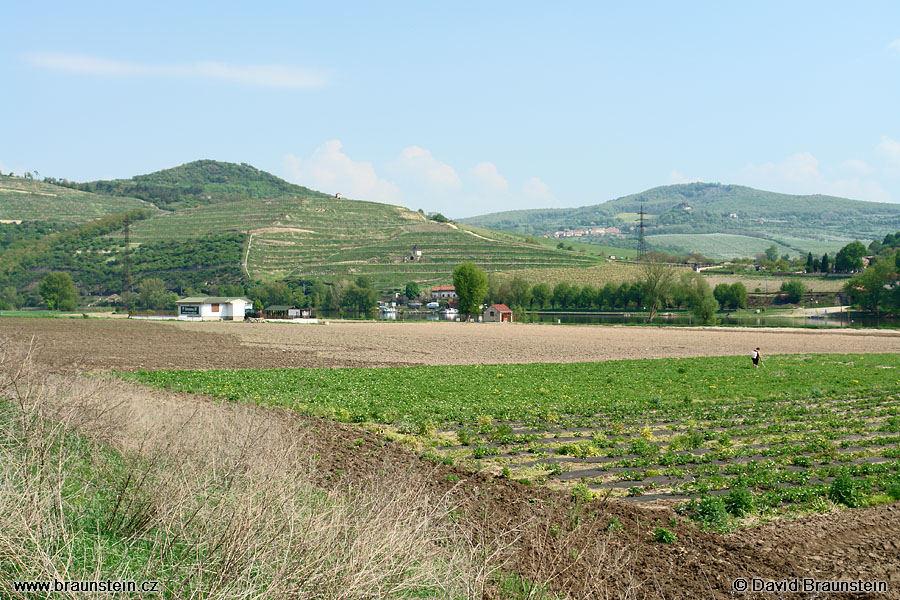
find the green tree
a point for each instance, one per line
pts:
(700, 297)
(849, 258)
(359, 298)
(656, 280)
(738, 296)
(58, 291)
(588, 297)
(809, 263)
(520, 292)
(721, 293)
(541, 294)
(412, 290)
(772, 253)
(793, 290)
(560, 296)
(825, 264)
(318, 294)
(152, 294)
(471, 286)
(10, 298)
(870, 289)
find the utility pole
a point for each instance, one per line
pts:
(126, 260)
(642, 243)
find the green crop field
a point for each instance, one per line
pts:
(797, 434)
(717, 245)
(27, 200)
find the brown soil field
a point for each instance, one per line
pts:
(578, 561)
(106, 344)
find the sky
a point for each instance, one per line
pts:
(461, 108)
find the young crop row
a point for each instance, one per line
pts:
(688, 429)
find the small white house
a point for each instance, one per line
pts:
(213, 308)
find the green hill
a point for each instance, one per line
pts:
(799, 223)
(207, 224)
(200, 182)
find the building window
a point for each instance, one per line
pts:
(215, 308)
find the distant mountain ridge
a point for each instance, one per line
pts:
(673, 213)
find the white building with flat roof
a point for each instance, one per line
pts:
(213, 308)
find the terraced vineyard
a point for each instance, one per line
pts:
(595, 275)
(26, 200)
(333, 238)
(801, 433)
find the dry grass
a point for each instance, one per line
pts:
(100, 481)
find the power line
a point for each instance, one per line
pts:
(642, 243)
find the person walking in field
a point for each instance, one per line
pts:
(755, 355)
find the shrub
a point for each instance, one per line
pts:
(740, 502)
(846, 490)
(581, 493)
(642, 447)
(893, 490)
(613, 524)
(711, 511)
(664, 536)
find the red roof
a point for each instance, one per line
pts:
(443, 288)
(502, 308)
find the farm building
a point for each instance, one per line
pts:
(497, 313)
(213, 308)
(443, 292)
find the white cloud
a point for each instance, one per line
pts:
(253, 75)
(417, 180)
(890, 149)
(489, 178)
(675, 177)
(895, 46)
(858, 166)
(797, 169)
(332, 171)
(539, 193)
(799, 174)
(419, 165)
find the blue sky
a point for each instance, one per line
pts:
(462, 108)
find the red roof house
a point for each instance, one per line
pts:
(497, 313)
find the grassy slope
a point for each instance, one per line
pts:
(26, 200)
(718, 245)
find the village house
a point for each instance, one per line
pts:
(443, 292)
(497, 313)
(213, 308)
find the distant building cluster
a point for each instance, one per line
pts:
(566, 233)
